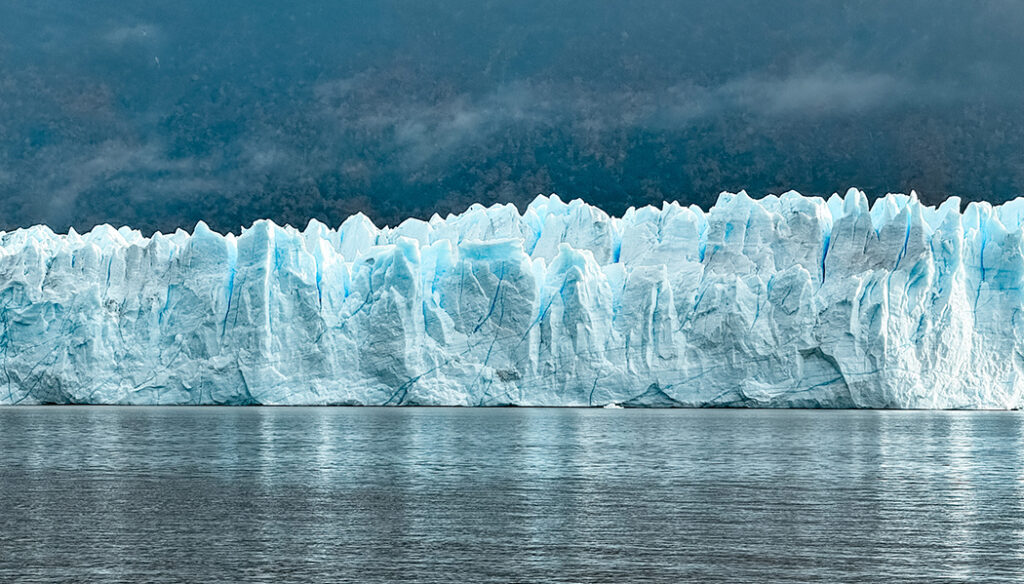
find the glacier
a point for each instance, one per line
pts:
(783, 301)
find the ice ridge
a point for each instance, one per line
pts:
(784, 301)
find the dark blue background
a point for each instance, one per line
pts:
(157, 114)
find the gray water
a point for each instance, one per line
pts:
(112, 494)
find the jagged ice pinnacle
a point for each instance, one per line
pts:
(785, 301)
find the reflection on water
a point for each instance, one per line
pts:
(434, 495)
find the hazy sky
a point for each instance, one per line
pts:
(157, 114)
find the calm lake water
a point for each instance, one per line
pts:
(112, 494)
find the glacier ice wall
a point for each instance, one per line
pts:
(784, 301)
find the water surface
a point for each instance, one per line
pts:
(111, 494)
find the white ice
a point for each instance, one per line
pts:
(786, 301)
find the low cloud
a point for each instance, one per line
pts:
(818, 92)
(145, 170)
(427, 130)
(139, 33)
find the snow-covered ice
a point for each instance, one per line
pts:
(785, 301)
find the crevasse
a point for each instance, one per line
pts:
(785, 301)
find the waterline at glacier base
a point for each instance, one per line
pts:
(786, 301)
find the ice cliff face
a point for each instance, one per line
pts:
(783, 301)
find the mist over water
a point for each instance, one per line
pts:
(160, 114)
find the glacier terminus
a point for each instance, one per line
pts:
(783, 301)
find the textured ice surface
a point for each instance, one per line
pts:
(783, 301)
